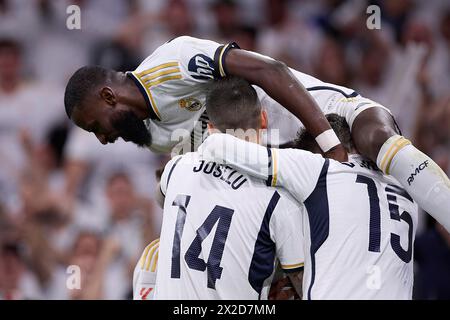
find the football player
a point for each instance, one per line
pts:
(222, 230)
(158, 105)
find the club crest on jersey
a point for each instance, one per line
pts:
(349, 99)
(190, 104)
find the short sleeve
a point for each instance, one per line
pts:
(167, 173)
(203, 60)
(287, 234)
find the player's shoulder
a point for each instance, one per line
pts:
(186, 159)
(287, 202)
(355, 164)
(184, 43)
(167, 53)
(295, 157)
(184, 39)
(149, 257)
(358, 164)
(193, 57)
(175, 160)
(170, 165)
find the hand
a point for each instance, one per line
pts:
(337, 153)
(283, 290)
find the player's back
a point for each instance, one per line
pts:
(359, 231)
(221, 231)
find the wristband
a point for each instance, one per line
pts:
(327, 140)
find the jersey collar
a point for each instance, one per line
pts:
(147, 96)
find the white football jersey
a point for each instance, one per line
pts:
(173, 81)
(359, 224)
(144, 275)
(222, 232)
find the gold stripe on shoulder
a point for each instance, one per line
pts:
(145, 78)
(148, 92)
(155, 261)
(161, 73)
(150, 255)
(144, 255)
(161, 66)
(161, 80)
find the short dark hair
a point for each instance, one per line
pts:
(232, 103)
(306, 141)
(81, 84)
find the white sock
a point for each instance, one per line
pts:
(421, 177)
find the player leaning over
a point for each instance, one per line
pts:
(167, 92)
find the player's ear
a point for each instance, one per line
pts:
(108, 96)
(263, 119)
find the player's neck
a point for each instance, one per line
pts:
(253, 138)
(134, 98)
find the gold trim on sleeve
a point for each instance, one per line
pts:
(292, 266)
(392, 151)
(275, 167)
(221, 69)
(144, 255)
(150, 255)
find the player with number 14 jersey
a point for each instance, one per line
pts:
(222, 231)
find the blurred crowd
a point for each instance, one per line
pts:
(65, 199)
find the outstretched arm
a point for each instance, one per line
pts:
(280, 83)
(295, 170)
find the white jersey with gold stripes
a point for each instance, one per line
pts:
(173, 81)
(144, 276)
(359, 224)
(222, 232)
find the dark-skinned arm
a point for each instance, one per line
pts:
(297, 281)
(275, 78)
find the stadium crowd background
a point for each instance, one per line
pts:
(65, 199)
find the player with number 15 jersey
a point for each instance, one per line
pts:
(359, 224)
(222, 231)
